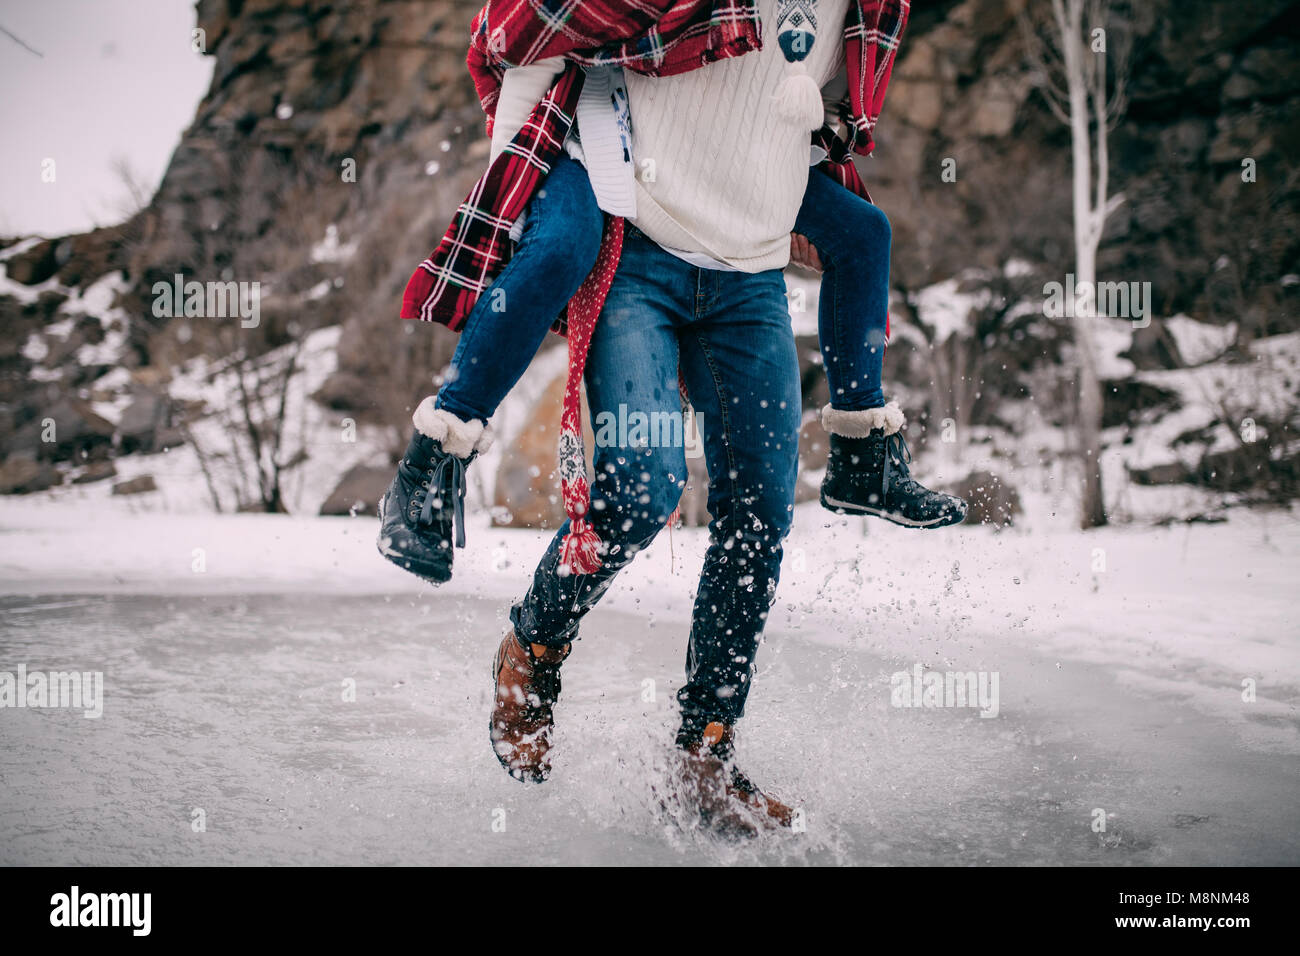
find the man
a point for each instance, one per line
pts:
(730, 332)
(699, 286)
(699, 289)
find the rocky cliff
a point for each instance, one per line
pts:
(337, 138)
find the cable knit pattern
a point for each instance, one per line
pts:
(729, 169)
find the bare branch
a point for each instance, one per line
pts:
(22, 43)
(204, 468)
(254, 435)
(1044, 67)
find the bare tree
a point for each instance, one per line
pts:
(252, 421)
(1084, 86)
(982, 362)
(136, 192)
(259, 389)
(205, 466)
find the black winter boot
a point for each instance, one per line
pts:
(423, 511)
(867, 472)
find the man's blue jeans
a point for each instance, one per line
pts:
(506, 326)
(730, 333)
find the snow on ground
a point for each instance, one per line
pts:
(1200, 342)
(1196, 596)
(945, 309)
(24, 293)
(1262, 387)
(330, 443)
(1212, 598)
(1120, 689)
(330, 249)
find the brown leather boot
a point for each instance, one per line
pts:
(726, 800)
(527, 678)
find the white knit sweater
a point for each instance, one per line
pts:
(729, 170)
(721, 173)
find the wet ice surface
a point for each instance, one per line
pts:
(234, 704)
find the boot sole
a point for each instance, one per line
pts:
(434, 574)
(423, 572)
(848, 507)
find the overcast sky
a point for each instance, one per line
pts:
(116, 80)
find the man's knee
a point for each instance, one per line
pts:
(635, 494)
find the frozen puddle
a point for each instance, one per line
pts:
(232, 712)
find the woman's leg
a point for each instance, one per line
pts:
(421, 513)
(852, 238)
(867, 469)
(503, 332)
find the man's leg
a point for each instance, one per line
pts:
(631, 376)
(742, 372)
(633, 365)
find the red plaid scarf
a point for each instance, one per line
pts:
(654, 37)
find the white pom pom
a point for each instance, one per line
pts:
(799, 99)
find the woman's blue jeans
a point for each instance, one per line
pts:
(508, 323)
(852, 238)
(558, 248)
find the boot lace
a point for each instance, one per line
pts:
(544, 682)
(441, 482)
(897, 457)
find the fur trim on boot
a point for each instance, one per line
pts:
(457, 437)
(860, 424)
